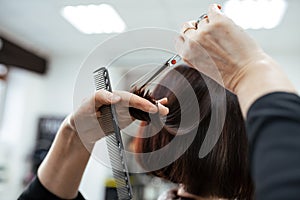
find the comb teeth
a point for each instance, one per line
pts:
(113, 139)
(106, 121)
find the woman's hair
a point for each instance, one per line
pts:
(224, 172)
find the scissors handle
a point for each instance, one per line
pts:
(204, 16)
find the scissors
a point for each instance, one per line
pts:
(144, 81)
(153, 75)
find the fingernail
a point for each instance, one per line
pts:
(205, 17)
(219, 6)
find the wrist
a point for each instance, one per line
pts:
(64, 163)
(259, 78)
(70, 136)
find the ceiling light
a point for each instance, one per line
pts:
(256, 14)
(92, 19)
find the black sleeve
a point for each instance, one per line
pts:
(273, 127)
(36, 191)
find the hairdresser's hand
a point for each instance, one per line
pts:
(226, 53)
(132, 100)
(218, 44)
(69, 154)
(85, 120)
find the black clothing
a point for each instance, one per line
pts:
(273, 128)
(36, 191)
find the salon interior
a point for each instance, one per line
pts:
(49, 49)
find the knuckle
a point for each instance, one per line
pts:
(102, 96)
(218, 24)
(204, 34)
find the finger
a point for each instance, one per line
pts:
(214, 12)
(203, 21)
(104, 97)
(187, 26)
(181, 46)
(179, 42)
(137, 102)
(163, 110)
(163, 101)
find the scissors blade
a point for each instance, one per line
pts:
(170, 62)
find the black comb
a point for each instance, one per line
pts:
(108, 123)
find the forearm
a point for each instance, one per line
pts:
(63, 167)
(258, 79)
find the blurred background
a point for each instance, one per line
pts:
(43, 43)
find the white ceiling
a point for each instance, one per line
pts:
(37, 24)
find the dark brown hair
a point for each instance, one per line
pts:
(224, 172)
